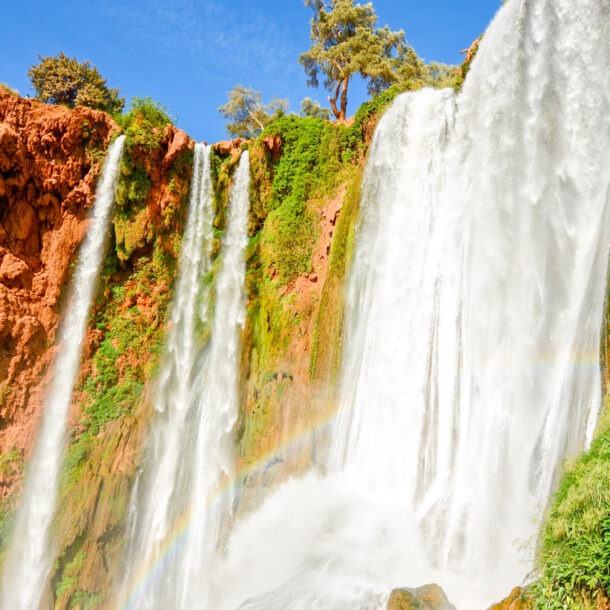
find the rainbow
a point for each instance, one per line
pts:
(149, 569)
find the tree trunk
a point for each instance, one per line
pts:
(344, 100)
(333, 101)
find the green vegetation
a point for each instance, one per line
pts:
(124, 345)
(309, 108)
(358, 136)
(325, 357)
(145, 130)
(309, 165)
(574, 558)
(465, 67)
(7, 513)
(4, 87)
(130, 342)
(346, 42)
(12, 465)
(143, 124)
(247, 114)
(66, 81)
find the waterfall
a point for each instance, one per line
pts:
(151, 514)
(473, 317)
(181, 501)
(29, 557)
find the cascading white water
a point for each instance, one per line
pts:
(473, 329)
(152, 509)
(29, 557)
(178, 514)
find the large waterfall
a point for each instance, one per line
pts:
(473, 322)
(183, 496)
(30, 556)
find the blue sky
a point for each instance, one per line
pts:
(188, 53)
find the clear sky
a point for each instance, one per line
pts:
(188, 53)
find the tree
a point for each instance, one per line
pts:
(247, 114)
(346, 42)
(440, 75)
(313, 109)
(64, 80)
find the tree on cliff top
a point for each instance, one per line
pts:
(346, 42)
(313, 109)
(247, 114)
(64, 80)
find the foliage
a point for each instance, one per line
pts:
(143, 124)
(346, 42)
(247, 114)
(310, 162)
(574, 559)
(310, 108)
(326, 341)
(465, 67)
(11, 462)
(144, 128)
(358, 136)
(64, 80)
(7, 514)
(4, 87)
(439, 75)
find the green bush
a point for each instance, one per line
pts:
(308, 167)
(143, 124)
(574, 558)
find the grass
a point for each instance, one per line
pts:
(574, 558)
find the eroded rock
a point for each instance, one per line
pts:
(49, 162)
(428, 597)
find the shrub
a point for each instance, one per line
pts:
(143, 124)
(574, 559)
(64, 80)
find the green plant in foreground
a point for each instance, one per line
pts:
(574, 558)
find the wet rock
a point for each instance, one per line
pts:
(518, 599)
(228, 147)
(274, 146)
(428, 597)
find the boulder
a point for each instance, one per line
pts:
(428, 597)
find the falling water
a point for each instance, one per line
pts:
(181, 505)
(29, 557)
(473, 323)
(151, 513)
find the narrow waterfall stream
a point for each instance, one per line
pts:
(473, 320)
(30, 555)
(154, 508)
(181, 497)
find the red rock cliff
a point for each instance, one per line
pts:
(50, 157)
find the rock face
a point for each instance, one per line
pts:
(151, 216)
(428, 597)
(517, 600)
(111, 406)
(50, 158)
(228, 147)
